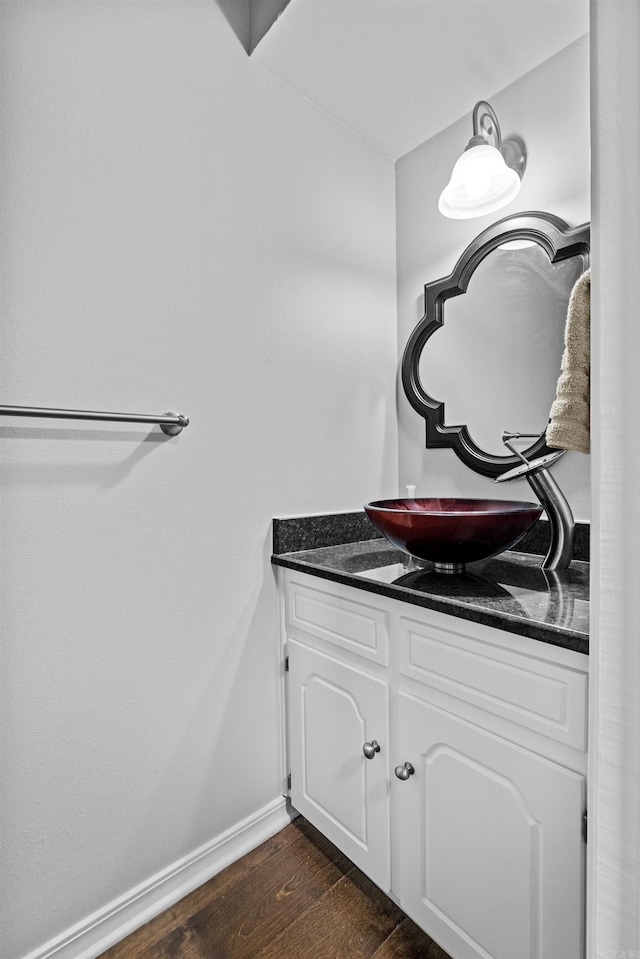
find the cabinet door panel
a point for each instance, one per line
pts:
(333, 710)
(493, 865)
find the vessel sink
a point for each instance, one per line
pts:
(452, 532)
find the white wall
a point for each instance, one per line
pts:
(549, 109)
(181, 231)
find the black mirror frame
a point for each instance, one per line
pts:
(560, 242)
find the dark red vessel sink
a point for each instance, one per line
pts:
(452, 532)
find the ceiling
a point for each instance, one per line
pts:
(397, 72)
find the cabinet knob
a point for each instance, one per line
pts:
(370, 749)
(403, 772)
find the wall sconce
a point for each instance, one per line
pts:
(485, 178)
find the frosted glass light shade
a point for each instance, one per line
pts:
(481, 182)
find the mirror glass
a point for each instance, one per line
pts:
(507, 334)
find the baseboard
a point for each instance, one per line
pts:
(93, 935)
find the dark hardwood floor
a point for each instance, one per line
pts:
(294, 897)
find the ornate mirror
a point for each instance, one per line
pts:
(494, 364)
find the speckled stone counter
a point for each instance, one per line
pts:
(510, 591)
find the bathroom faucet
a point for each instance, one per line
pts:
(551, 497)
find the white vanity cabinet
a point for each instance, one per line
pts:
(469, 810)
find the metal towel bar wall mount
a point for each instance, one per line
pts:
(170, 423)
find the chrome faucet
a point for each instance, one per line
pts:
(551, 497)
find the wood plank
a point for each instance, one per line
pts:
(299, 832)
(245, 905)
(250, 915)
(181, 943)
(349, 922)
(408, 941)
(294, 897)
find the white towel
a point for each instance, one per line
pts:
(569, 418)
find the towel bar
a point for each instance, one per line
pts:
(170, 423)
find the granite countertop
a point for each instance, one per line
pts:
(510, 591)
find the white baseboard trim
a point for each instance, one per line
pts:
(93, 935)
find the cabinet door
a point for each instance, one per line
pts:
(334, 709)
(490, 850)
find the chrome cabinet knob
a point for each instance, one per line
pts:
(370, 749)
(403, 772)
